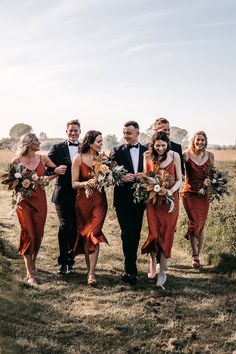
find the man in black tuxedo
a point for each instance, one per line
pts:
(162, 124)
(64, 195)
(129, 214)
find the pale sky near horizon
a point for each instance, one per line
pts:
(106, 62)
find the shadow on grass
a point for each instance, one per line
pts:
(8, 250)
(227, 263)
(5, 226)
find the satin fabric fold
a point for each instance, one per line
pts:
(90, 214)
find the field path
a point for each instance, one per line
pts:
(196, 313)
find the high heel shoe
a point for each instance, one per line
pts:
(161, 281)
(195, 261)
(196, 264)
(91, 279)
(31, 281)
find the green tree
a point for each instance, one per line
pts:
(110, 141)
(179, 135)
(19, 129)
(42, 136)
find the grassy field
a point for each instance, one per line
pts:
(196, 313)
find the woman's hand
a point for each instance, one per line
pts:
(91, 182)
(169, 192)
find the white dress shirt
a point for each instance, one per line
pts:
(134, 153)
(73, 150)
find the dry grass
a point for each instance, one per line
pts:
(63, 315)
(196, 313)
(224, 155)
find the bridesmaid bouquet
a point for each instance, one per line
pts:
(153, 186)
(20, 183)
(215, 183)
(106, 174)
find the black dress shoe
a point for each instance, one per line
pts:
(69, 269)
(61, 269)
(132, 279)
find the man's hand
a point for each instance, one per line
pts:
(130, 177)
(60, 170)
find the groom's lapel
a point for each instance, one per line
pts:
(128, 158)
(140, 161)
(67, 152)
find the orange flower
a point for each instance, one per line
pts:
(26, 183)
(104, 169)
(207, 182)
(162, 191)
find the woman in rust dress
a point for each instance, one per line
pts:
(32, 210)
(161, 223)
(90, 210)
(195, 195)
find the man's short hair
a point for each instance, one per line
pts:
(73, 121)
(133, 123)
(161, 120)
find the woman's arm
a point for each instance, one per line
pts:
(211, 157)
(185, 156)
(178, 174)
(15, 161)
(75, 173)
(146, 158)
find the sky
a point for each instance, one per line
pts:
(108, 61)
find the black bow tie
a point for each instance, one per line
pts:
(129, 146)
(73, 144)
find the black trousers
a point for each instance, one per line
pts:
(67, 231)
(130, 218)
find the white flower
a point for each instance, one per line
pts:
(202, 191)
(18, 175)
(35, 177)
(157, 188)
(213, 181)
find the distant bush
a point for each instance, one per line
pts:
(47, 144)
(19, 129)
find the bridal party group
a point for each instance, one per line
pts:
(81, 206)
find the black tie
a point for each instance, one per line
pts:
(73, 144)
(129, 146)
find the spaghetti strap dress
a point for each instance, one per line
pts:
(196, 205)
(32, 213)
(90, 215)
(161, 224)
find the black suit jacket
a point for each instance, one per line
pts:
(63, 191)
(121, 155)
(178, 148)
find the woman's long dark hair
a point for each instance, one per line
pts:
(89, 139)
(160, 136)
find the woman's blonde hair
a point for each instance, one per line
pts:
(25, 142)
(191, 147)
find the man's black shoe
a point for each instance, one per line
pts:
(69, 269)
(132, 279)
(61, 269)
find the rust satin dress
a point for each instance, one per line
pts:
(90, 215)
(32, 213)
(161, 224)
(195, 205)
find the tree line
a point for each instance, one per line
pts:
(178, 135)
